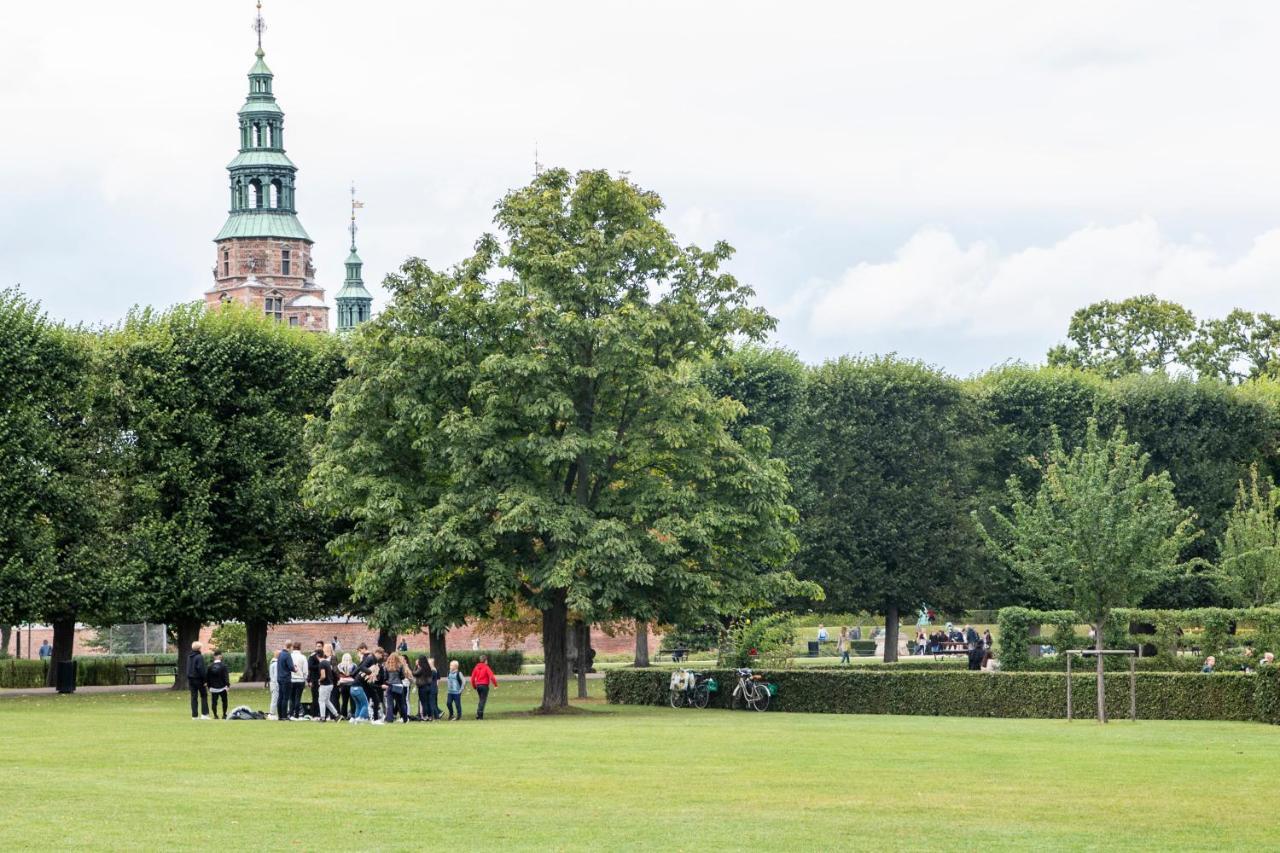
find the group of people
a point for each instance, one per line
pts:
(1249, 664)
(369, 687)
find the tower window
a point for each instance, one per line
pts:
(255, 193)
(226, 262)
(285, 262)
(273, 306)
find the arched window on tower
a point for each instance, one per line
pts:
(275, 193)
(255, 193)
(257, 135)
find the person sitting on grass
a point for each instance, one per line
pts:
(457, 683)
(1209, 663)
(218, 679)
(1268, 659)
(822, 634)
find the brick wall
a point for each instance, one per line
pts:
(353, 633)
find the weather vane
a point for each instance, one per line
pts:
(259, 25)
(354, 205)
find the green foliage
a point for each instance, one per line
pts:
(1160, 696)
(890, 459)
(1098, 533)
(229, 637)
(92, 671)
(532, 426)
(1206, 628)
(215, 403)
(19, 672)
(501, 661)
(1251, 546)
(770, 637)
(1135, 335)
(696, 639)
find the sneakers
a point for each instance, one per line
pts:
(204, 716)
(379, 722)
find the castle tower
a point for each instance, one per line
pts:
(355, 304)
(263, 253)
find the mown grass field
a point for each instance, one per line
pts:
(135, 772)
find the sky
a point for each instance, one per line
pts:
(945, 181)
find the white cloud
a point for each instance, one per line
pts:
(934, 283)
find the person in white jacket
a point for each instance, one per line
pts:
(298, 680)
(275, 689)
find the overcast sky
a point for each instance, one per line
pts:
(943, 180)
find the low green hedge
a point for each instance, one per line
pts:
(501, 662)
(95, 670)
(1178, 696)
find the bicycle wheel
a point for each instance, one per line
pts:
(758, 698)
(677, 698)
(701, 696)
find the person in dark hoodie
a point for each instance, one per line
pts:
(196, 675)
(313, 677)
(219, 679)
(284, 680)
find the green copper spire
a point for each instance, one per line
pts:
(262, 175)
(355, 304)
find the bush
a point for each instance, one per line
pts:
(770, 637)
(507, 662)
(1213, 630)
(1181, 696)
(20, 673)
(229, 637)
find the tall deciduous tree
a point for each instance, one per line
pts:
(889, 459)
(549, 438)
(214, 404)
(1097, 533)
(1135, 335)
(1251, 545)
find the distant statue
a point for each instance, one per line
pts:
(924, 617)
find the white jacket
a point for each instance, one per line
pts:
(299, 667)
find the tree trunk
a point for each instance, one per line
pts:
(439, 650)
(386, 640)
(584, 656)
(188, 631)
(1033, 631)
(64, 639)
(1098, 645)
(555, 678)
(642, 643)
(891, 634)
(255, 650)
(5, 632)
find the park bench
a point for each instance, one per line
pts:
(145, 673)
(951, 648)
(678, 655)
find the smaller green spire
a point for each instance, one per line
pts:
(355, 303)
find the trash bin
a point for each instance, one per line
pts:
(66, 682)
(813, 648)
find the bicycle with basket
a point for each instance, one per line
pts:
(691, 689)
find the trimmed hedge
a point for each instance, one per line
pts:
(501, 662)
(1161, 696)
(1211, 629)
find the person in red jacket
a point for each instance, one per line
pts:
(482, 678)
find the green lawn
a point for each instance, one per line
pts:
(134, 772)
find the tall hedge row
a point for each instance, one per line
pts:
(1160, 696)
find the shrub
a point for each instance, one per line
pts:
(1182, 696)
(507, 662)
(770, 637)
(20, 673)
(229, 637)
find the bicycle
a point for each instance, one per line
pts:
(753, 691)
(690, 689)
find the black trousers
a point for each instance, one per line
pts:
(284, 698)
(215, 696)
(315, 700)
(295, 698)
(197, 688)
(482, 696)
(344, 700)
(376, 709)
